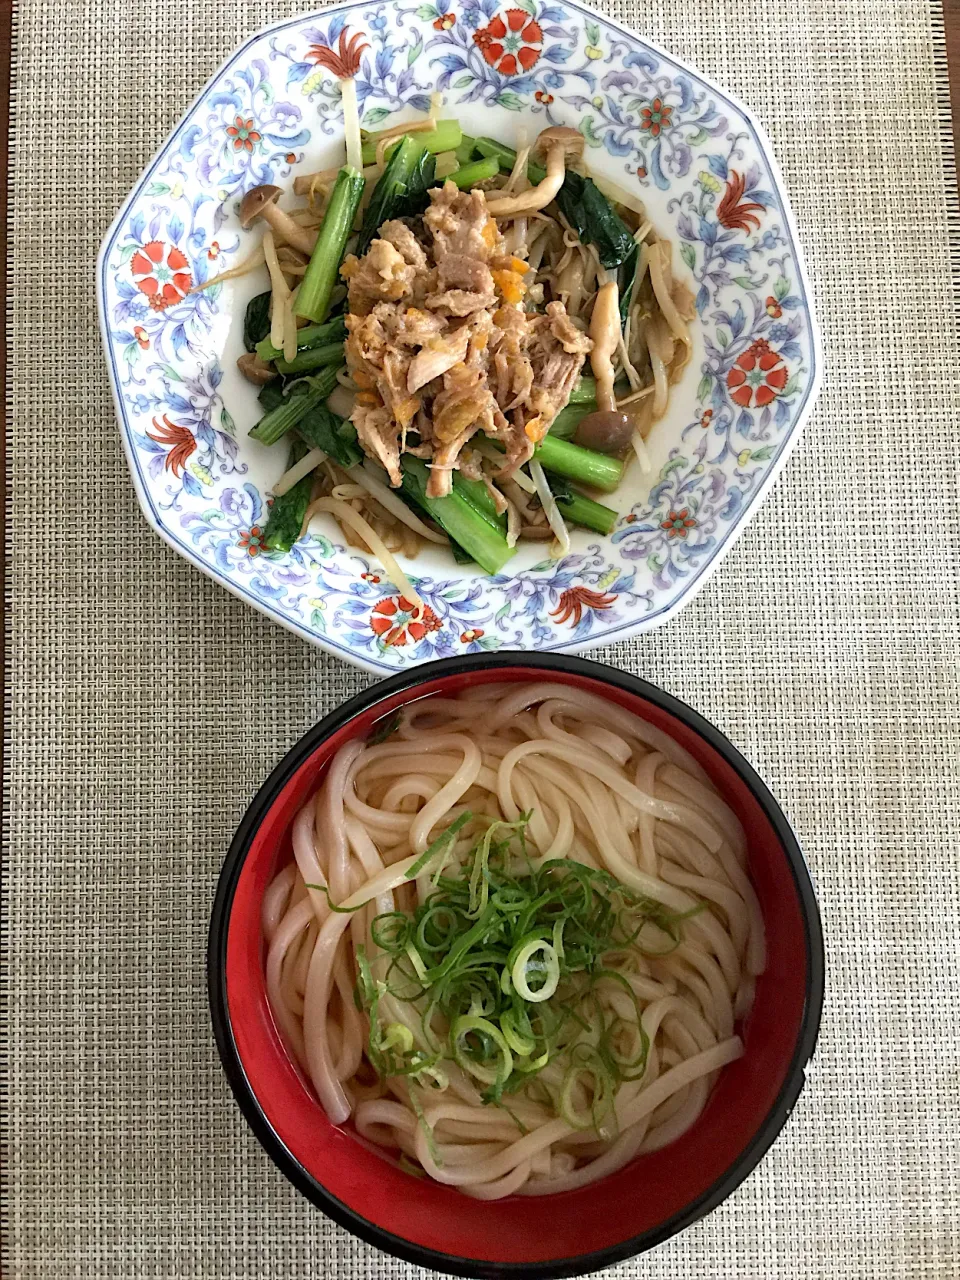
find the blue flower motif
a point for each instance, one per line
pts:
(779, 333)
(285, 114)
(142, 403)
(378, 23)
(138, 309)
(472, 18)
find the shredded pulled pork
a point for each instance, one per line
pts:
(440, 347)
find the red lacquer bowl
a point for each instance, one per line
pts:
(578, 1231)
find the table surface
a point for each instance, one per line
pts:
(143, 705)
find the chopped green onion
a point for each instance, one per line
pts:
(407, 1165)
(484, 1030)
(548, 970)
(441, 842)
(397, 1036)
(384, 728)
(512, 957)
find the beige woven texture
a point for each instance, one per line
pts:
(147, 704)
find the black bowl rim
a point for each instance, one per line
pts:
(284, 1159)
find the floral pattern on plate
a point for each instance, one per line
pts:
(652, 125)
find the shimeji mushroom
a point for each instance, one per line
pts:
(608, 430)
(256, 370)
(261, 202)
(556, 144)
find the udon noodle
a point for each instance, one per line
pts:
(579, 781)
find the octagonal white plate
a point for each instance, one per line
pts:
(707, 175)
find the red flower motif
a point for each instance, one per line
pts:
(214, 251)
(243, 133)
(251, 540)
(774, 309)
(346, 62)
(180, 441)
(574, 600)
(370, 577)
(733, 214)
(164, 282)
(545, 98)
(510, 46)
(705, 418)
(656, 117)
(678, 522)
(758, 376)
(444, 22)
(394, 621)
(641, 171)
(291, 157)
(140, 333)
(471, 634)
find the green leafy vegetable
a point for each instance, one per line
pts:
(565, 424)
(446, 137)
(581, 202)
(469, 175)
(322, 429)
(478, 495)
(383, 729)
(581, 510)
(458, 518)
(302, 396)
(313, 298)
(595, 470)
(585, 392)
(314, 358)
(507, 158)
(270, 395)
(313, 335)
(628, 280)
(256, 320)
(401, 190)
(594, 219)
(465, 151)
(286, 512)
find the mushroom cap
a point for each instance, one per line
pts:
(255, 201)
(571, 140)
(604, 431)
(256, 370)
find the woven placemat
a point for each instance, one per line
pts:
(147, 704)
